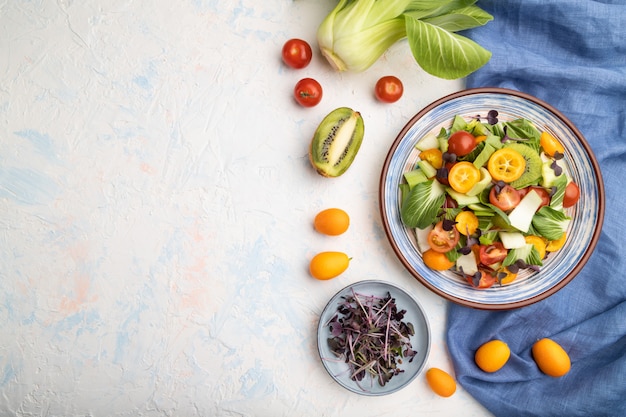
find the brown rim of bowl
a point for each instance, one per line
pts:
(583, 142)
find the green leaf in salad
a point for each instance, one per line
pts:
(458, 123)
(442, 139)
(525, 257)
(550, 223)
(558, 192)
(522, 130)
(474, 154)
(488, 238)
(422, 205)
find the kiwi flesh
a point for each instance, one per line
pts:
(336, 142)
(532, 172)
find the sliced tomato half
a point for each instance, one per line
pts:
(481, 279)
(505, 198)
(490, 254)
(441, 240)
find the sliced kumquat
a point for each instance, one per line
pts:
(463, 176)
(506, 165)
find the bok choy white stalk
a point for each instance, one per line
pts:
(357, 32)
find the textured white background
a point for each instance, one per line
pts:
(156, 208)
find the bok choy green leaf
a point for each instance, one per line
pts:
(422, 205)
(550, 223)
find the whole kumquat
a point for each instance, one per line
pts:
(492, 355)
(327, 265)
(332, 221)
(441, 382)
(551, 358)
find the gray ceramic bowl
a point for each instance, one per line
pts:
(420, 341)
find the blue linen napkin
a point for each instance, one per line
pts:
(571, 54)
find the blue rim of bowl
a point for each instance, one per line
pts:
(422, 330)
(408, 259)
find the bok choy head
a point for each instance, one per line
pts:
(357, 33)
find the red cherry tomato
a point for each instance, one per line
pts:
(572, 194)
(308, 92)
(389, 89)
(490, 254)
(542, 192)
(506, 199)
(461, 143)
(441, 240)
(297, 53)
(482, 279)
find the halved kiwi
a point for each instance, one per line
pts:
(336, 142)
(532, 172)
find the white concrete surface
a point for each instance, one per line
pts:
(156, 208)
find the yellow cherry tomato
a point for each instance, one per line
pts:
(505, 276)
(436, 260)
(440, 382)
(506, 165)
(492, 355)
(327, 265)
(539, 243)
(466, 223)
(433, 157)
(462, 176)
(332, 221)
(550, 144)
(551, 358)
(555, 245)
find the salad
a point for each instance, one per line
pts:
(488, 198)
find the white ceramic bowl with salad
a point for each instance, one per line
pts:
(492, 198)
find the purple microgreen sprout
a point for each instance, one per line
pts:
(476, 278)
(465, 250)
(499, 186)
(442, 173)
(447, 224)
(369, 335)
(501, 275)
(552, 191)
(507, 137)
(556, 168)
(470, 241)
(448, 157)
(558, 155)
(492, 117)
